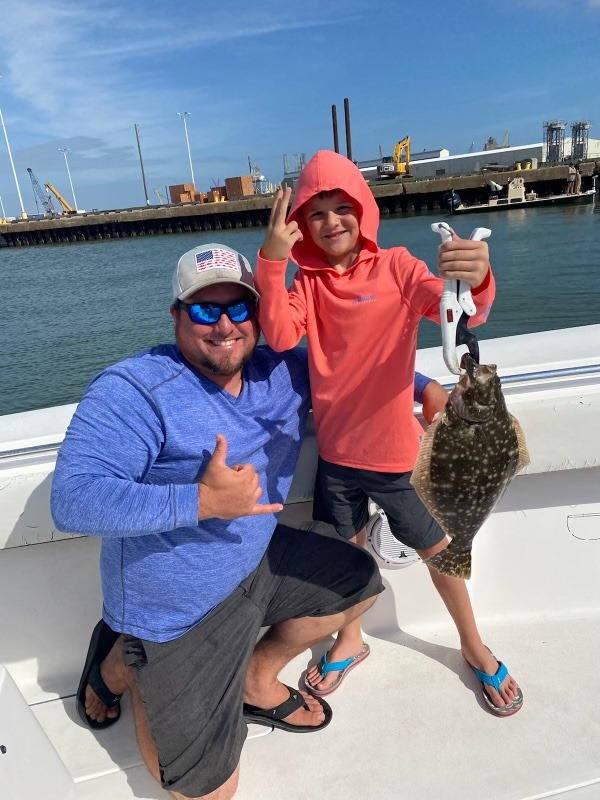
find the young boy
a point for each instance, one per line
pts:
(360, 307)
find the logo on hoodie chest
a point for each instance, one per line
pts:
(364, 298)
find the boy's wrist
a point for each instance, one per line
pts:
(484, 283)
(272, 257)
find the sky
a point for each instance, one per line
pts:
(259, 79)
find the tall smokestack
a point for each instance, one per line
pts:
(336, 144)
(348, 137)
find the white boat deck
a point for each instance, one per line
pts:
(408, 723)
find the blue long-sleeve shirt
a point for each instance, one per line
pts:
(128, 470)
(421, 382)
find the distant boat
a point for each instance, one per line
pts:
(517, 197)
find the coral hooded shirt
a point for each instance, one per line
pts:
(361, 327)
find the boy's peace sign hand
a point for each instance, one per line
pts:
(280, 237)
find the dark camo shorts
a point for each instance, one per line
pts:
(193, 687)
(342, 500)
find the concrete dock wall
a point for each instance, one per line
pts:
(400, 196)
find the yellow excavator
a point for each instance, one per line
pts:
(67, 208)
(399, 163)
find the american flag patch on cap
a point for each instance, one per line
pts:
(221, 259)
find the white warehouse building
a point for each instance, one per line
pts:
(503, 157)
(439, 163)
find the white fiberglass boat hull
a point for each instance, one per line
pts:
(411, 722)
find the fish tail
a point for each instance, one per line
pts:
(455, 564)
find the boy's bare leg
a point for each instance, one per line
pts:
(349, 641)
(283, 642)
(453, 592)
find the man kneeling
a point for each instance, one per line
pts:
(180, 458)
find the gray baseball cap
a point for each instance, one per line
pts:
(209, 264)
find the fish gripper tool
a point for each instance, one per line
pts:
(456, 306)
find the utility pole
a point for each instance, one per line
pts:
(12, 164)
(137, 136)
(64, 151)
(184, 115)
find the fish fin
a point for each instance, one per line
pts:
(420, 477)
(455, 564)
(524, 459)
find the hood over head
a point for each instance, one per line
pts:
(325, 172)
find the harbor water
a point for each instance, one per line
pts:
(69, 310)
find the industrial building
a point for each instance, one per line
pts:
(465, 163)
(555, 149)
(531, 155)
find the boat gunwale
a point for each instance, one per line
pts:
(532, 377)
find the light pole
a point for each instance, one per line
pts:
(12, 164)
(64, 151)
(137, 137)
(184, 115)
(2, 209)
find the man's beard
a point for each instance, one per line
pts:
(226, 368)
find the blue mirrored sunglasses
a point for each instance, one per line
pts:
(210, 313)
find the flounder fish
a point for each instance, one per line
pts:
(466, 461)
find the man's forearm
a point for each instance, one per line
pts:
(109, 506)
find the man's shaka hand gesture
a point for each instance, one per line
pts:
(230, 492)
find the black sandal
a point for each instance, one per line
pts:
(274, 717)
(101, 643)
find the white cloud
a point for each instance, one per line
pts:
(90, 70)
(80, 74)
(560, 5)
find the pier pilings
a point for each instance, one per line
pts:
(394, 197)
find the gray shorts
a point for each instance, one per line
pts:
(342, 500)
(193, 686)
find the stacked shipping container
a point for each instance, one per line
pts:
(241, 186)
(234, 189)
(185, 193)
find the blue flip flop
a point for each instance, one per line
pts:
(496, 682)
(342, 667)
